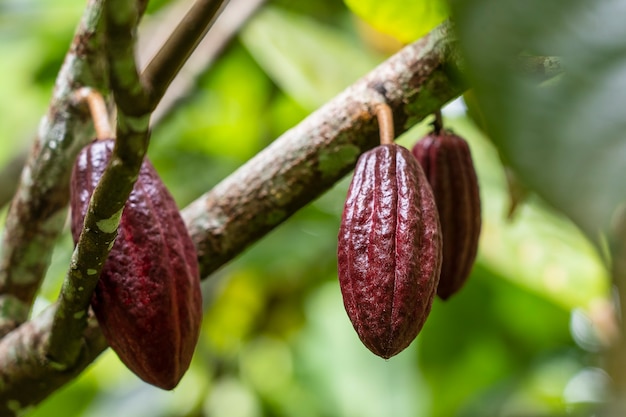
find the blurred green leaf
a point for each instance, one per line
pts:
(566, 137)
(489, 332)
(232, 398)
(403, 19)
(310, 61)
(348, 379)
(234, 313)
(33, 39)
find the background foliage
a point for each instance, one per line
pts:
(523, 337)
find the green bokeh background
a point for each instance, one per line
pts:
(522, 339)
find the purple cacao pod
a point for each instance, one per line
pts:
(389, 249)
(147, 300)
(447, 162)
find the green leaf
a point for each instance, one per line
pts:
(481, 334)
(404, 20)
(347, 378)
(311, 62)
(565, 137)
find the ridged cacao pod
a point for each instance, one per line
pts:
(447, 162)
(147, 300)
(389, 249)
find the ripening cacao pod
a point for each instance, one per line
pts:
(147, 300)
(447, 163)
(389, 249)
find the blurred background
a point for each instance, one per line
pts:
(524, 337)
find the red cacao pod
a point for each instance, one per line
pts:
(447, 162)
(147, 300)
(389, 249)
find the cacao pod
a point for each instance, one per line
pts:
(389, 249)
(447, 163)
(147, 300)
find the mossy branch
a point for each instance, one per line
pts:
(110, 195)
(38, 211)
(134, 106)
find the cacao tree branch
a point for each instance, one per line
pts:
(308, 159)
(38, 210)
(46, 374)
(26, 376)
(110, 195)
(134, 105)
(290, 173)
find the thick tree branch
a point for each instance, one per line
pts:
(290, 173)
(26, 377)
(38, 210)
(308, 159)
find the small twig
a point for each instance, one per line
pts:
(385, 123)
(160, 72)
(237, 12)
(208, 50)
